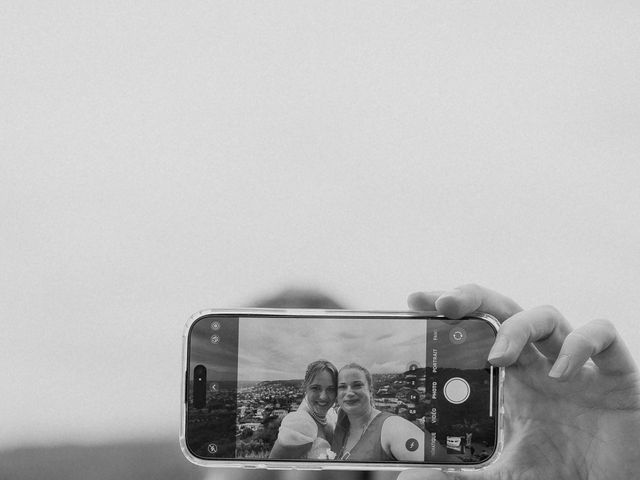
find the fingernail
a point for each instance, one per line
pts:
(560, 367)
(499, 348)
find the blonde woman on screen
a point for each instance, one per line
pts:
(308, 432)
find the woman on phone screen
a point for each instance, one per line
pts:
(364, 433)
(308, 432)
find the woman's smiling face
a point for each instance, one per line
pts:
(354, 393)
(321, 392)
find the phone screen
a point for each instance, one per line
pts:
(425, 384)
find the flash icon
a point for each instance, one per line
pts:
(412, 444)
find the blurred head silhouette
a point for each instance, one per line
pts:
(298, 298)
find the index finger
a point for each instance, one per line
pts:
(464, 300)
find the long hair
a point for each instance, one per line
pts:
(314, 368)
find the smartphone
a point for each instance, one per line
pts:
(337, 389)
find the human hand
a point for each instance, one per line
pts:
(571, 397)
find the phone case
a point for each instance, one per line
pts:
(328, 465)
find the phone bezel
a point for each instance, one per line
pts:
(328, 465)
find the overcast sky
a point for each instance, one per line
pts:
(281, 348)
(159, 158)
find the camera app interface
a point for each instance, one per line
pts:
(342, 389)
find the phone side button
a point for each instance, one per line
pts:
(277, 467)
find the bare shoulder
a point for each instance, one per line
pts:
(395, 426)
(402, 439)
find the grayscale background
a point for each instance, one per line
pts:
(162, 157)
